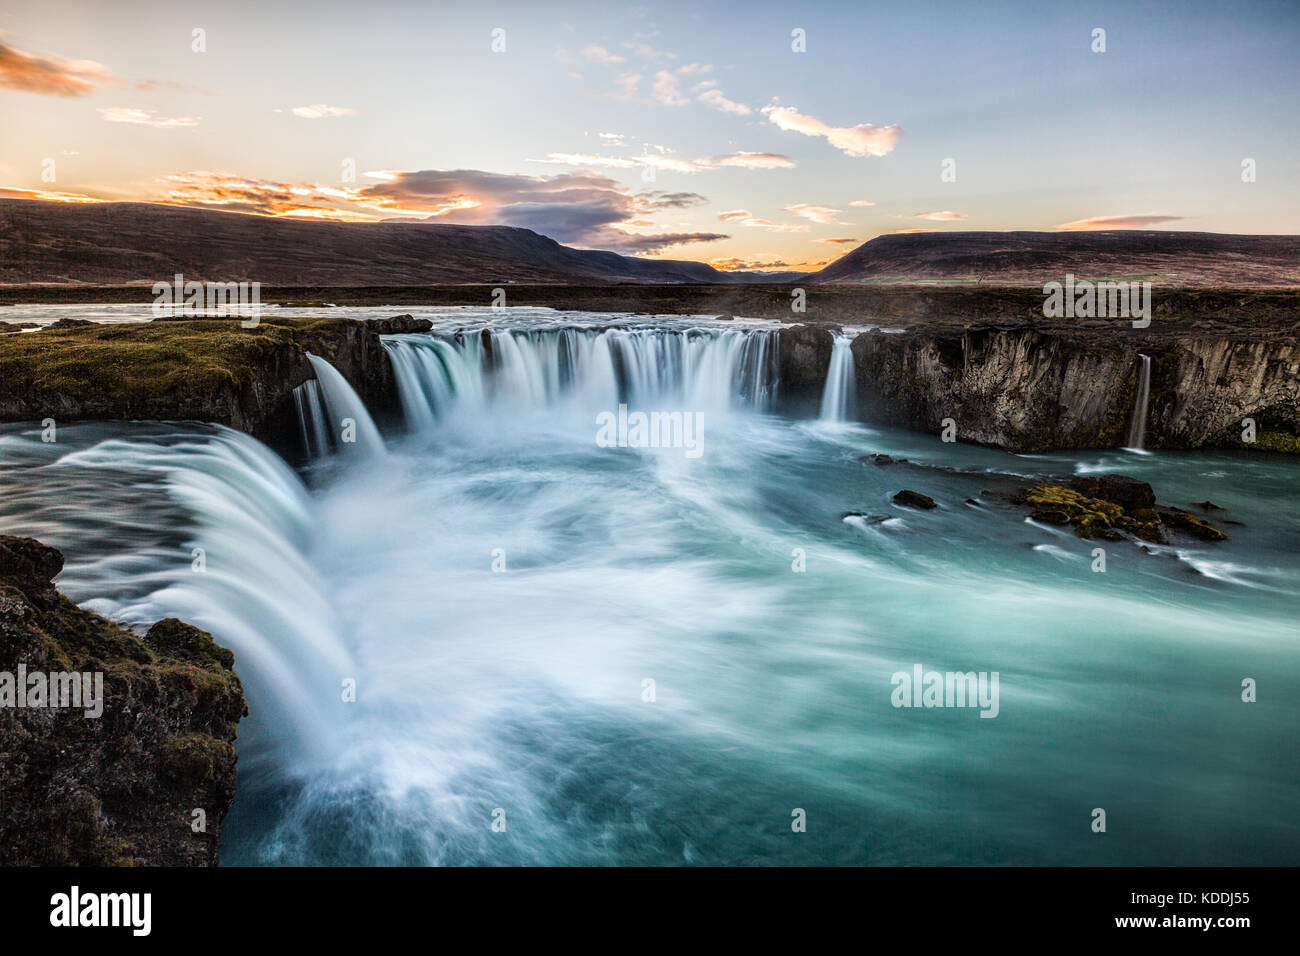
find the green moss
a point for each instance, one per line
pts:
(149, 359)
(1090, 517)
(194, 759)
(1276, 441)
(1055, 504)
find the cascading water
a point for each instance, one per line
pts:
(839, 391)
(312, 426)
(463, 375)
(351, 427)
(1137, 428)
(238, 567)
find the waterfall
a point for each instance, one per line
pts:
(462, 375)
(1137, 428)
(238, 568)
(343, 404)
(839, 391)
(311, 419)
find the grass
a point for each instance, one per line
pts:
(148, 359)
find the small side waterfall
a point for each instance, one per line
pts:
(1137, 429)
(840, 390)
(344, 406)
(311, 419)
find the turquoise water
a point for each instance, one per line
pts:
(523, 690)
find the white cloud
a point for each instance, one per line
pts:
(943, 215)
(862, 202)
(321, 111)
(122, 114)
(713, 97)
(665, 90)
(862, 140)
(824, 215)
(601, 55)
(747, 160)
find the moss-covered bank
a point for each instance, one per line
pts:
(121, 788)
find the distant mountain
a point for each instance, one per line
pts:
(115, 243)
(1023, 258)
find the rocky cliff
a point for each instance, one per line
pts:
(1031, 390)
(145, 782)
(204, 370)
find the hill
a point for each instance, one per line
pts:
(116, 243)
(1032, 258)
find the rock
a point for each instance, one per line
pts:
(69, 324)
(1034, 390)
(804, 355)
(117, 789)
(400, 323)
(882, 460)
(1129, 493)
(724, 317)
(914, 499)
(869, 519)
(1090, 517)
(1190, 524)
(208, 370)
(1206, 505)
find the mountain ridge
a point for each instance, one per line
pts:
(1032, 258)
(124, 243)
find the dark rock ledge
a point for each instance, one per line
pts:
(120, 789)
(209, 370)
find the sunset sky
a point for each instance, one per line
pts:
(687, 130)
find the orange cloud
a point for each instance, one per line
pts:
(1115, 222)
(50, 75)
(823, 215)
(743, 263)
(944, 215)
(17, 192)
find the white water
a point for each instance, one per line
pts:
(460, 378)
(350, 426)
(839, 392)
(312, 426)
(1137, 428)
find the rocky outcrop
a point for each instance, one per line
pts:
(149, 779)
(803, 356)
(204, 370)
(1203, 388)
(1029, 390)
(914, 499)
(1112, 507)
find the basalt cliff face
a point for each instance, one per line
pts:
(148, 780)
(1028, 390)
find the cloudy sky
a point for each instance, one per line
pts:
(689, 130)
